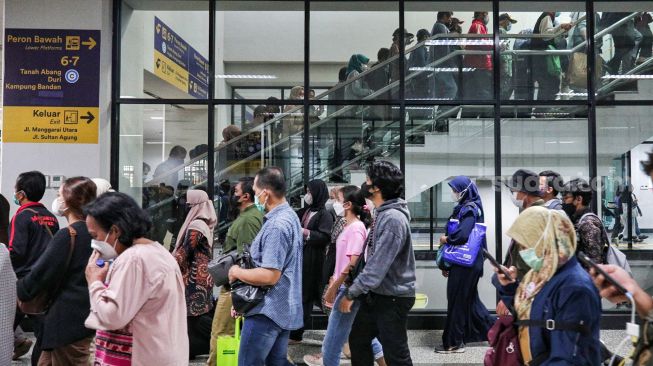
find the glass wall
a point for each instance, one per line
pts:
(317, 90)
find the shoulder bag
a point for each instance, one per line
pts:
(41, 302)
(244, 296)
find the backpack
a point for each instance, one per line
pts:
(611, 254)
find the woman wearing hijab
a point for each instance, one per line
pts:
(358, 89)
(193, 254)
(103, 186)
(557, 302)
(468, 319)
(317, 223)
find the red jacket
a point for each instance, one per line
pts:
(478, 61)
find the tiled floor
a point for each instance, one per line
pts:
(421, 346)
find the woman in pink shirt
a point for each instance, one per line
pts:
(137, 302)
(349, 246)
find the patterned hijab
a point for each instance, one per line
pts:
(552, 235)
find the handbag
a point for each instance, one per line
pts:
(42, 301)
(228, 347)
(553, 66)
(219, 267)
(244, 296)
(465, 255)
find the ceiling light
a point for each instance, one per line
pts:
(246, 76)
(158, 142)
(643, 76)
(443, 69)
(459, 42)
(157, 118)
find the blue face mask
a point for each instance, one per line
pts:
(259, 206)
(530, 256)
(508, 27)
(16, 200)
(531, 259)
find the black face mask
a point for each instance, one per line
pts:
(569, 209)
(366, 191)
(235, 201)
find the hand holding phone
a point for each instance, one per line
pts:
(589, 263)
(497, 265)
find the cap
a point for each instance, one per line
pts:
(506, 16)
(397, 32)
(525, 181)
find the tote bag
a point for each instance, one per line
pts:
(228, 348)
(465, 255)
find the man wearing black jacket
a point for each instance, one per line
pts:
(30, 231)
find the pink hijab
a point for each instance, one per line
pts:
(201, 217)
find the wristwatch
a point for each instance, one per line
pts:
(348, 296)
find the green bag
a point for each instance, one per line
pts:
(228, 347)
(553, 66)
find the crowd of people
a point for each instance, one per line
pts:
(108, 284)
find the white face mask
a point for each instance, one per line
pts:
(517, 202)
(106, 250)
(455, 196)
(308, 199)
(339, 209)
(57, 208)
(329, 204)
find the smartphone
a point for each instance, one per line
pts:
(588, 262)
(496, 264)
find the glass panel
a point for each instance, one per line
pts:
(543, 54)
(624, 47)
(451, 59)
(341, 30)
(162, 153)
(624, 140)
(539, 139)
(165, 50)
(272, 136)
(435, 137)
(258, 44)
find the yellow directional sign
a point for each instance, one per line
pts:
(63, 125)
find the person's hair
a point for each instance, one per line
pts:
(273, 179)
(647, 165)
(32, 184)
(146, 166)
(388, 178)
(354, 195)
(114, 208)
(479, 13)
(260, 111)
(383, 54)
(443, 14)
(78, 192)
(247, 186)
(553, 180)
(224, 185)
(342, 73)
(580, 188)
(178, 152)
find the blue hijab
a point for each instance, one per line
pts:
(469, 191)
(356, 62)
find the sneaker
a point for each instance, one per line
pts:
(313, 360)
(643, 237)
(21, 347)
(448, 350)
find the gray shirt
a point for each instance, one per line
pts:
(390, 267)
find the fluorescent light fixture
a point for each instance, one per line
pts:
(572, 94)
(157, 118)
(443, 69)
(429, 98)
(459, 42)
(158, 142)
(615, 128)
(127, 96)
(549, 114)
(227, 76)
(643, 76)
(560, 142)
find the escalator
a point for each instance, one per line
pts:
(346, 140)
